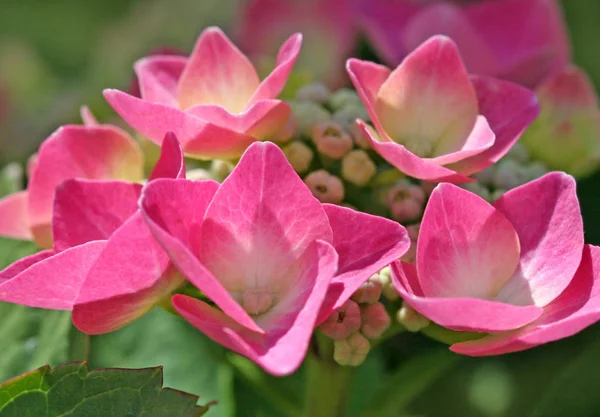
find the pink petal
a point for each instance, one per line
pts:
(261, 120)
(409, 163)
(217, 73)
(22, 264)
(131, 275)
(365, 244)
(198, 138)
(14, 216)
(429, 98)
(88, 117)
(546, 215)
(466, 248)
(465, 313)
(509, 110)
(262, 218)
(158, 76)
(575, 309)
(91, 152)
(272, 86)
(53, 282)
(91, 210)
(171, 163)
(174, 211)
(288, 328)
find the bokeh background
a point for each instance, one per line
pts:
(57, 55)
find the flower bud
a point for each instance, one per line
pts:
(286, 133)
(358, 168)
(331, 139)
(412, 320)
(519, 153)
(413, 233)
(510, 174)
(351, 351)
(406, 201)
(359, 137)
(325, 187)
(198, 174)
(478, 188)
(387, 290)
(342, 323)
(342, 98)
(369, 292)
(316, 91)
(346, 116)
(299, 155)
(375, 320)
(307, 114)
(220, 169)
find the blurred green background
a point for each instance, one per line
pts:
(57, 55)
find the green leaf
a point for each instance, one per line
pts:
(192, 362)
(73, 391)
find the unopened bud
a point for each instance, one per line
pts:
(286, 133)
(387, 287)
(359, 136)
(510, 174)
(406, 201)
(331, 139)
(316, 91)
(351, 351)
(478, 188)
(325, 187)
(342, 98)
(413, 234)
(410, 319)
(347, 115)
(220, 169)
(299, 155)
(307, 114)
(342, 323)
(375, 320)
(519, 153)
(198, 174)
(358, 168)
(369, 292)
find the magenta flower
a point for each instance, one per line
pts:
(328, 26)
(516, 40)
(433, 121)
(92, 152)
(105, 265)
(213, 101)
(513, 269)
(273, 259)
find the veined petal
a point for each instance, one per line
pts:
(171, 163)
(131, 275)
(54, 281)
(14, 216)
(546, 215)
(466, 247)
(262, 218)
(158, 76)
(428, 103)
(217, 73)
(365, 244)
(288, 326)
(91, 210)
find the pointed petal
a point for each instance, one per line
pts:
(174, 211)
(365, 244)
(131, 275)
(271, 86)
(409, 163)
(262, 218)
(53, 282)
(198, 138)
(546, 215)
(217, 73)
(509, 110)
(262, 120)
(466, 247)
(14, 216)
(288, 331)
(91, 210)
(158, 76)
(575, 309)
(171, 163)
(429, 98)
(91, 152)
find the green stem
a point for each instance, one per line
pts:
(327, 383)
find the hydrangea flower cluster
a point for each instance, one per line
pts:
(405, 203)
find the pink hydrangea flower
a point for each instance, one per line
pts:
(213, 101)
(328, 26)
(517, 269)
(273, 259)
(105, 265)
(435, 122)
(92, 152)
(516, 40)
